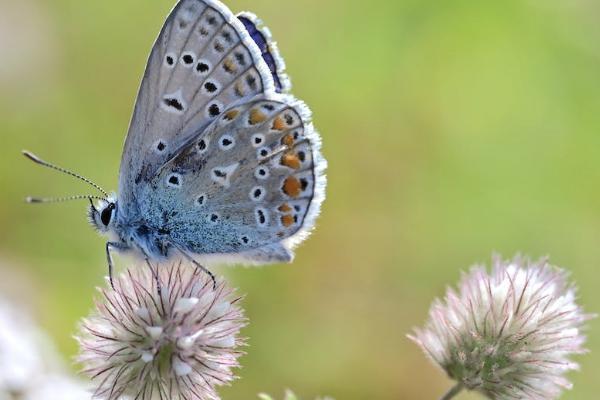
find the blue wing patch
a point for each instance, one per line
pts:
(268, 48)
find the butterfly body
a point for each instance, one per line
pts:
(219, 162)
(128, 232)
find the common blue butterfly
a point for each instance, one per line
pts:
(220, 161)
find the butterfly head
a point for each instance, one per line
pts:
(103, 215)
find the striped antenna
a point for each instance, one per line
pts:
(45, 200)
(43, 163)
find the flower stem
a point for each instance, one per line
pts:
(453, 392)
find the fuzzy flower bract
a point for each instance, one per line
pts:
(508, 334)
(162, 333)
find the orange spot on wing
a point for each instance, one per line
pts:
(239, 89)
(256, 116)
(292, 186)
(290, 160)
(287, 220)
(230, 66)
(284, 208)
(278, 124)
(231, 114)
(288, 140)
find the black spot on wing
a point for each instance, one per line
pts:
(202, 67)
(174, 180)
(210, 87)
(173, 103)
(188, 59)
(241, 58)
(214, 110)
(220, 174)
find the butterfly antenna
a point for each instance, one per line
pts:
(42, 200)
(43, 163)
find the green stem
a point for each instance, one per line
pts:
(453, 392)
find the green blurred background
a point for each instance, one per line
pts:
(452, 130)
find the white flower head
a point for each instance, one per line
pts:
(57, 387)
(162, 333)
(508, 334)
(24, 351)
(30, 367)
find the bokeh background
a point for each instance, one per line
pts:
(453, 130)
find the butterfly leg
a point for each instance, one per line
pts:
(206, 270)
(155, 276)
(111, 245)
(198, 265)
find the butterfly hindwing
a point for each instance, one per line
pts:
(203, 60)
(251, 183)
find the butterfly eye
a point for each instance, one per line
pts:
(106, 214)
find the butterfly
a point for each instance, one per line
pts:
(220, 162)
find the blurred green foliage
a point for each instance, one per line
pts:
(452, 130)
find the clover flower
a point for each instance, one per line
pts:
(162, 333)
(508, 334)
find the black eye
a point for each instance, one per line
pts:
(106, 214)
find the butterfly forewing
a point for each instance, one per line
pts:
(202, 61)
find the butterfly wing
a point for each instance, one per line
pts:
(216, 157)
(261, 35)
(251, 184)
(203, 60)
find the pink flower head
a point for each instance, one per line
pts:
(509, 334)
(162, 333)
